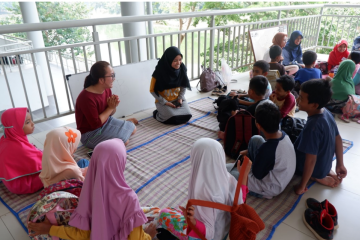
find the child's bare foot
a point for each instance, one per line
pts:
(133, 120)
(221, 135)
(328, 181)
(333, 175)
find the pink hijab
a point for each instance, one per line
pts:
(57, 161)
(107, 205)
(18, 157)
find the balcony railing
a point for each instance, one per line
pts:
(199, 46)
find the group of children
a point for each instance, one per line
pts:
(25, 169)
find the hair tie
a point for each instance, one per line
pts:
(3, 127)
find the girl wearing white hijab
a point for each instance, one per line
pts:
(209, 181)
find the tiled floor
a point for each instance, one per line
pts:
(345, 198)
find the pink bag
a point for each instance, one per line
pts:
(352, 107)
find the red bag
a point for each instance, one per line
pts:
(245, 222)
(238, 132)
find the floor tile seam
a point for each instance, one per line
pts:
(7, 227)
(311, 235)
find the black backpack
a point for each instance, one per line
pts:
(224, 111)
(292, 127)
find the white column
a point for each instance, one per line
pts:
(149, 11)
(30, 15)
(134, 29)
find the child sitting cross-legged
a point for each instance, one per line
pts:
(282, 96)
(319, 140)
(309, 72)
(257, 90)
(273, 159)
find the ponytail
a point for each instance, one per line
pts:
(98, 70)
(89, 81)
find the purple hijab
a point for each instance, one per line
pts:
(107, 205)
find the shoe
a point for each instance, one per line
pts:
(319, 223)
(318, 206)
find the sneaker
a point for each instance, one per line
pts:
(318, 206)
(319, 223)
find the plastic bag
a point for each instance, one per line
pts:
(225, 71)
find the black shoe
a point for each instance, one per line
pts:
(154, 113)
(318, 206)
(319, 223)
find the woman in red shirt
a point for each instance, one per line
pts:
(95, 106)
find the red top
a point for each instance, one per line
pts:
(289, 104)
(88, 108)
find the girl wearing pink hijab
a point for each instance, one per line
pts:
(108, 208)
(20, 161)
(57, 161)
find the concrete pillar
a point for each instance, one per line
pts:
(30, 15)
(134, 29)
(149, 11)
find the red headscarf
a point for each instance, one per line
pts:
(335, 56)
(18, 157)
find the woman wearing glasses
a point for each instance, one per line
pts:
(95, 106)
(168, 85)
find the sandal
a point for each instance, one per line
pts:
(355, 119)
(344, 119)
(240, 91)
(216, 92)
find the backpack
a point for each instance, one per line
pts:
(352, 107)
(224, 111)
(57, 207)
(245, 222)
(207, 80)
(72, 186)
(238, 132)
(292, 127)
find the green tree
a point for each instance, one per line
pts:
(51, 12)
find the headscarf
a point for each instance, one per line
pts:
(18, 157)
(342, 83)
(278, 39)
(168, 77)
(335, 57)
(210, 181)
(291, 47)
(57, 161)
(107, 205)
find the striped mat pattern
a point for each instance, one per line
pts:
(158, 168)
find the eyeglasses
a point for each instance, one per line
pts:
(112, 76)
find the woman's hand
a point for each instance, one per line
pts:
(151, 230)
(39, 228)
(170, 104)
(272, 97)
(112, 103)
(117, 99)
(189, 213)
(247, 170)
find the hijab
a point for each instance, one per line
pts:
(293, 49)
(18, 157)
(278, 38)
(107, 205)
(57, 161)
(342, 83)
(210, 181)
(168, 77)
(335, 57)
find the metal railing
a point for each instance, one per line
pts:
(199, 46)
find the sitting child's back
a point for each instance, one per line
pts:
(309, 72)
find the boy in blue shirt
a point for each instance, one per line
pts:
(309, 72)
(319, 140)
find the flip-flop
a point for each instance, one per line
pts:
(355, 119)
(344, 119)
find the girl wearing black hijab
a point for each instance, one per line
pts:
(168, 85)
